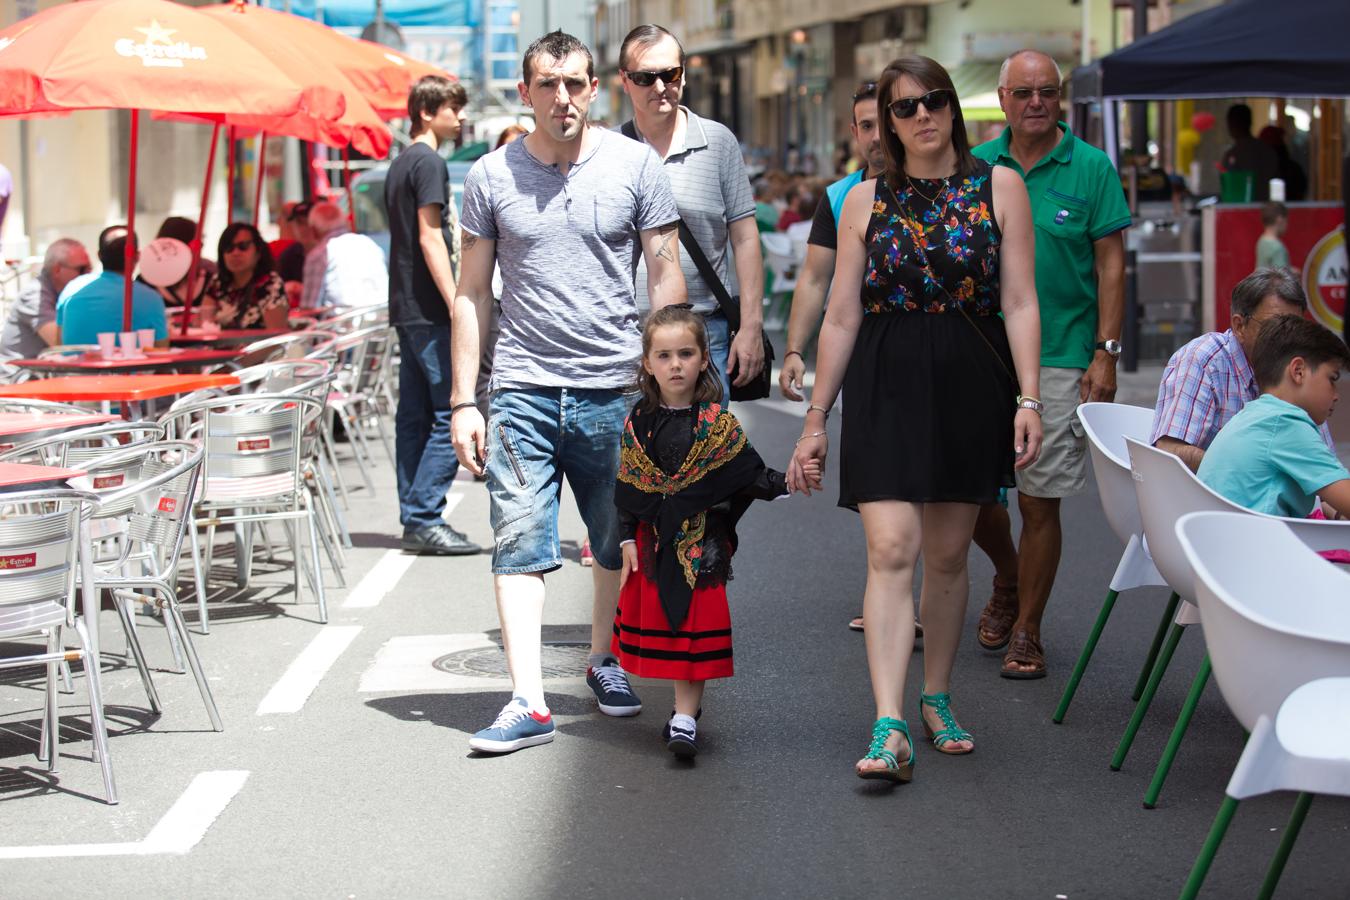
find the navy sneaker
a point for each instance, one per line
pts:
(683, 742)
(516, 728)
(612, 690)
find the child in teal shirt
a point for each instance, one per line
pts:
(1270, 456)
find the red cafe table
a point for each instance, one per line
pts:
(158, 359)
(25, 477)
(225, 337)
(129, 390)
(17, 427)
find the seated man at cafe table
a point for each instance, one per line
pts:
(344, 268)
(92, 304)
(30, 325)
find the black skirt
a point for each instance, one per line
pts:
(928, 410)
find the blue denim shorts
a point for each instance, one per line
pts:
(536, 437)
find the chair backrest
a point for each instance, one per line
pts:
(1167, 490)
(78, 446)
(295, 344)
(362, 357)
(24, 404)
(1107, 425)
(39, 540)
(351, 319)
(158, 501)
(304, 376)
(1274, 610)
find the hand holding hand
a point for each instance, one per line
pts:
(807, 463)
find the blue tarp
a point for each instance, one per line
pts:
(359, 13)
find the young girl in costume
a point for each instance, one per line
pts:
(686, 475)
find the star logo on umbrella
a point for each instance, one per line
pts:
(157, 33)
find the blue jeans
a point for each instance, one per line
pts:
(424, 458)
(719, 349)
(536, 436)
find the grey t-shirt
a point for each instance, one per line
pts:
(567, 247)
(712, 190)
(35, 307)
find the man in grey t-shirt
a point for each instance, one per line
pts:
(30, 327)
(564, 212)
(707, 173)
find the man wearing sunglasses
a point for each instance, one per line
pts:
(1080, 215)
(712, 189)
(30, 326)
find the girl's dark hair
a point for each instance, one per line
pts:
(931, 77)
(709, 386)
(264, 265)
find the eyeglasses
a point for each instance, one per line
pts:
(647, 79)
(299, 212)
(1024, 94)
(866, 91)
(84, 269)
(239, 246)
(932, 101)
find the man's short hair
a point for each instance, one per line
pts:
(1273, 212)
(1239, 118)
(644, 37)
(867, 90)
(1007, 64)
(112, 248)
(1284, 337)
(180, 228)
(557, 46)
(1259, 285)
(429, 94)
(299, 212)
(59, 252)
(326, 216)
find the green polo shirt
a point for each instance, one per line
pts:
(1076, 198)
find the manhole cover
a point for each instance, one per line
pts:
(561, 659)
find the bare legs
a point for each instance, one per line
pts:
(689, 697)
(606, 583)
(1042, 540)
(993, 535)
(520, 607)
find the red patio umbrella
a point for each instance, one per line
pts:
(144, 54)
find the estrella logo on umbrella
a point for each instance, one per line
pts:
(159, 48)
(1324, 279)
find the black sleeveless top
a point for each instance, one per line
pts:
(927, 230)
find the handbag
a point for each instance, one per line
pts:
(758, 387)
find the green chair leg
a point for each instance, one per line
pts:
(1088, 648)
(1164, 658)
(1211, 847)
(1174, 743)
(1169, 613)
(1286, 845)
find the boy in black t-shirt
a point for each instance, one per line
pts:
(423, 266)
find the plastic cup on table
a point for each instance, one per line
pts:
(107, 344)
(147, 338)
(128, 341)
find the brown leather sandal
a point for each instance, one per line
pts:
(999, 615)
(1024, 649)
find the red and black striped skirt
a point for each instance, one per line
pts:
(647, 646)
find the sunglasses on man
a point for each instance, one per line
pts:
(932, 101)
(647, 79)
(1022, 95)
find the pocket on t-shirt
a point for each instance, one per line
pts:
(613, 220)
(1062, 216)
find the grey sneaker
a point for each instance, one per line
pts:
(438, 540)
(612, 690)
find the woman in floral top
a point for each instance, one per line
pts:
(246, 291)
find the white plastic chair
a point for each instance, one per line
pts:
(1107, 425)
(1266, 596)
(1167, 490)
(40, 539)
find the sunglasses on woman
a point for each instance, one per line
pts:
(932, 101)
(647, 79)
(239, 246)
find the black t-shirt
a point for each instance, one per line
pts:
(416, 178)
(291, 262)
(824, 230)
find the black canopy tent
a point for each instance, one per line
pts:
(1242, 48)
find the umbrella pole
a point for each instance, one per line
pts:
(130, 271)
(347, 184)
(257, 190)
(230, 176)
(201, 221)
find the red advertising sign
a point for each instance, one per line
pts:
(1316, 246)
(167, 504)
(22, 561)
(255, 444)
(103, 482)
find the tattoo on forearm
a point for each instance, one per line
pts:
(467, 241)
(665, 251)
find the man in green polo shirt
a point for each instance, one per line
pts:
(1080, 215)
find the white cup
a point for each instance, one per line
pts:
(127, 340)
(107, 344)
(147, 337)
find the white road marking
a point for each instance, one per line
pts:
(177, 832)
(380, 580)
(303, 675)
(451, 501)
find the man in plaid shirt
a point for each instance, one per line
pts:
(1207, 381)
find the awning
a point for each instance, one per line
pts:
(360, 13)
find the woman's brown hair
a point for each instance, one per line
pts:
(932, 77)
(708, 389)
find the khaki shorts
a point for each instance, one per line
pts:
(1061, 469)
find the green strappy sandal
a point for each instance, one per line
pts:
(952, 732)
(877, 750)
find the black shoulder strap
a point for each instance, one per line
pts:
(705, 269)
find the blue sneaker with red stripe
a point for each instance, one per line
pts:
(516, 728)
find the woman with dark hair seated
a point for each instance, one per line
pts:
(246, 291)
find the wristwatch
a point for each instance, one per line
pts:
(1032, 404)
(1112, 348)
